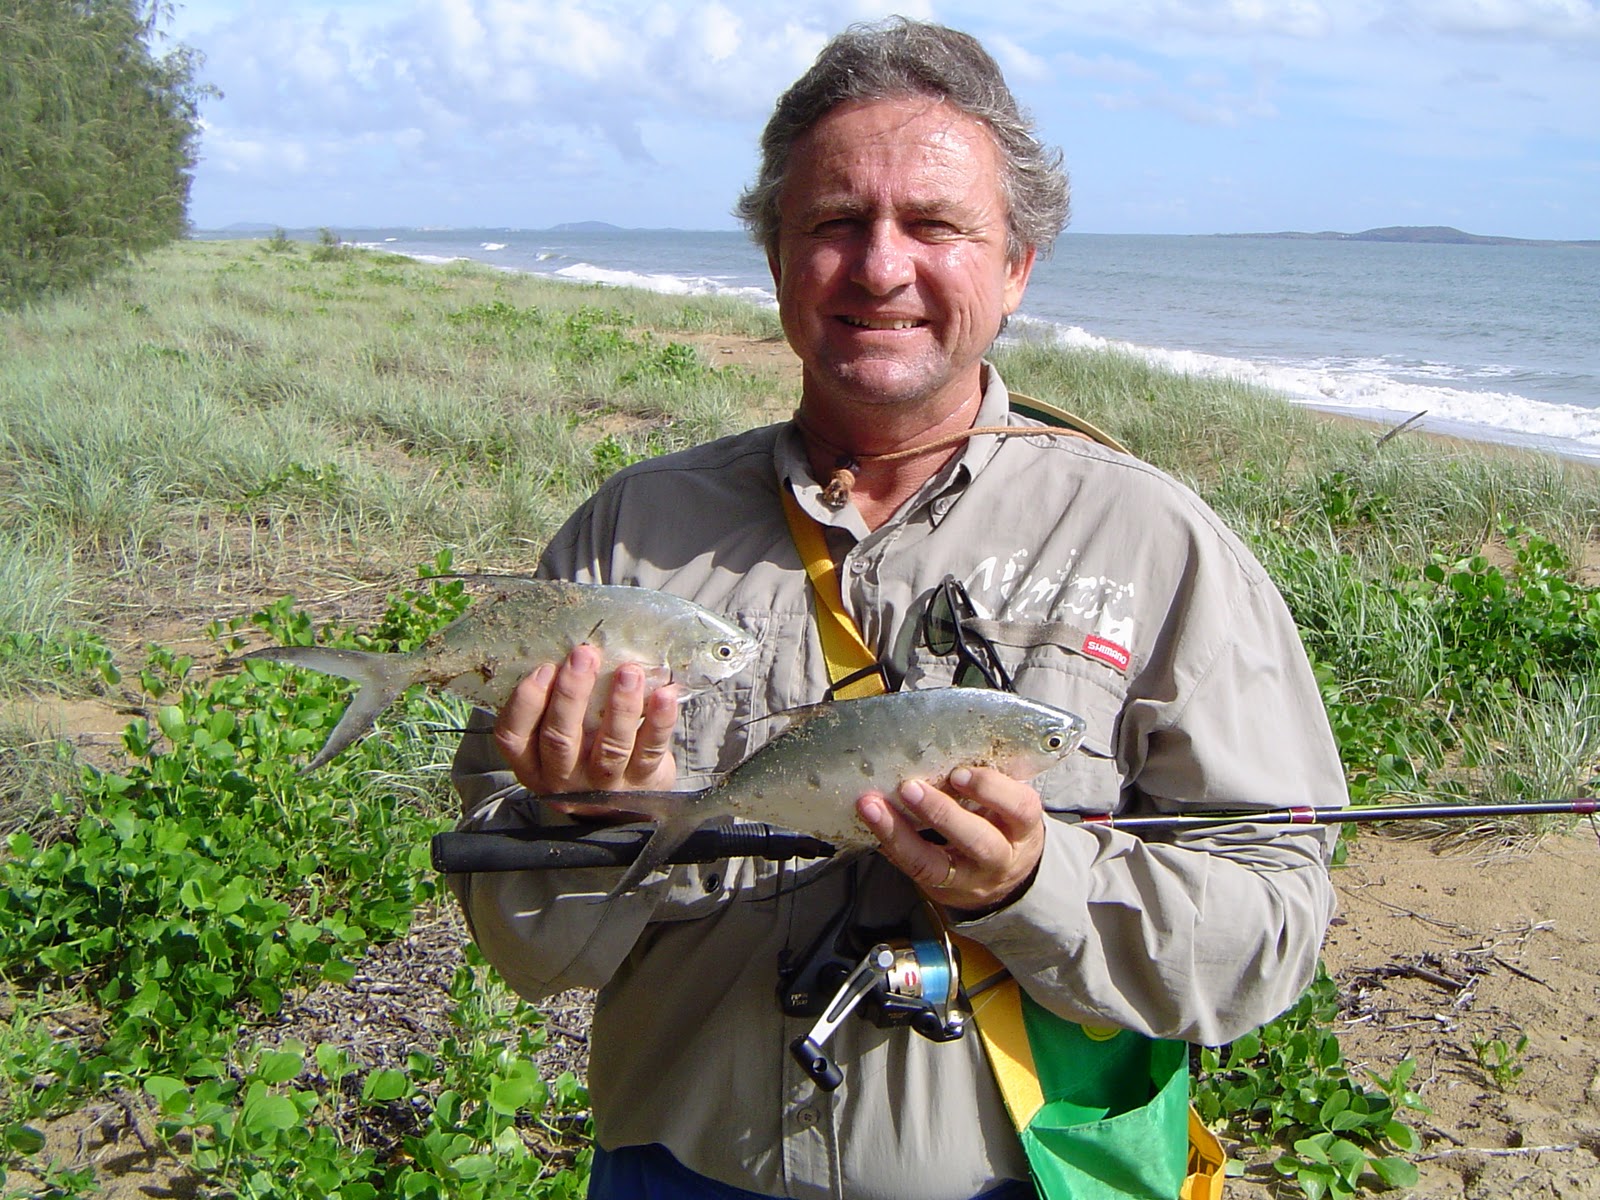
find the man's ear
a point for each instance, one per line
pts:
(1017, 274)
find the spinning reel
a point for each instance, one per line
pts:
(912, 979)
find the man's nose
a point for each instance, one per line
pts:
(886, 261)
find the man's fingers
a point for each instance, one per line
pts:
(619, 727)
(992, 830)
(515, 724)
(969, 827)
(540, 731)
(561, 732)
(652, 750)
(1012, 805)
(919, 859)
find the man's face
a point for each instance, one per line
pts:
(891, 264)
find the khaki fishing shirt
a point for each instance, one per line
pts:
(1132, 606)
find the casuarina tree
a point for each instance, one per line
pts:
(97, 136)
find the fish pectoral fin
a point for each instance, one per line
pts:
(669, 835)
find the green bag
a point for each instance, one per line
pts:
(1103, 1114)
(1113, 1122)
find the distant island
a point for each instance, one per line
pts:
(586, 227)
(1439, 234)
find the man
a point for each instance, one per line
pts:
(902, 201)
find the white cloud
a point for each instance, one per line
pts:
(1016, 62)
(464, 32)
(719, 33)
(1536, 19)
(634, 105)
(1212, 18)
(1105, 68)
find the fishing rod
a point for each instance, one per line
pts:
(463, 851)
(1582, 806)
(470, 851)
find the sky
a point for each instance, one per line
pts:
(1175, 116)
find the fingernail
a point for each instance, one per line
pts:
(871, 809)
(912, 792)
(961, 777)
(543, 674)
(584, 657)
(630, 677)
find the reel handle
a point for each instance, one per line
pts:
(823, 1070)
(807, 1049)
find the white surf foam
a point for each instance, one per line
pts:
(1374, 390)
(669, 285)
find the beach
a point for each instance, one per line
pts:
(1491, 343)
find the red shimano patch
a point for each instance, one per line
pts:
(1107, 652)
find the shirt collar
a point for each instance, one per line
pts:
(793, 468)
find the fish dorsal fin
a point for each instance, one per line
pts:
(798, 715)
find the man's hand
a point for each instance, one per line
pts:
(541, 736)
(993, 828)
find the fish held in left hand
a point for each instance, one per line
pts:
(521, 623)
(809, 777)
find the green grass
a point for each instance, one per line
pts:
(367, 408)
(227, 423)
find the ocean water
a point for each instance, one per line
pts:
(1497, 343)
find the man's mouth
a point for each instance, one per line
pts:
(870, 323)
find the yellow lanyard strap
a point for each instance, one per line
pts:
(850, 661)
(998, 1004)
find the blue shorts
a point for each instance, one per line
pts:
(651, 1173)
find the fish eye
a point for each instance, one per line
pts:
(724, 651)
(1054, 741)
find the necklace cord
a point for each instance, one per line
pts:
(847, 465)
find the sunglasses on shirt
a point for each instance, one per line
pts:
(944, 633)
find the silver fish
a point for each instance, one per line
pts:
(523, 622)
(809, 777)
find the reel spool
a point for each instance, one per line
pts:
(913, 981)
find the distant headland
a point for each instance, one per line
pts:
(1440, 234)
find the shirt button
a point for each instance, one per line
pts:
(807, 1116)
(858, 566)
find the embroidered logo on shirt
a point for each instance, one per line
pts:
(1107, 651)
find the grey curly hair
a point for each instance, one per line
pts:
(901, 57)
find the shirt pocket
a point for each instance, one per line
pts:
(726, 724)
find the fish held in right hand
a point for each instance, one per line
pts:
(521, 623)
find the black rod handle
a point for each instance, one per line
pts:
(462, 852)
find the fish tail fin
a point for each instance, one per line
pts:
(380, 678)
